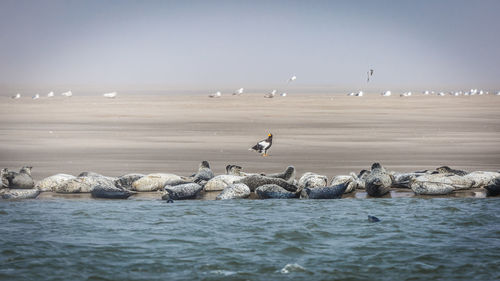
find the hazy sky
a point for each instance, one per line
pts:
(448, 44)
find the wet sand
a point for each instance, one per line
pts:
(327, 134)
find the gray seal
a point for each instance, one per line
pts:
(183, 191)
(255, 181)
(156, 181)
(326, 192)
(234, 191)
(439, 184)
(21, 180)
(111, 192)
(273, 191)
(12, 194)
(379, 182)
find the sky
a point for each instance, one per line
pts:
(438, 44)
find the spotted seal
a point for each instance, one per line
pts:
(111, 192)
(50, 183)
(312, 180)
(351, 181)
(84, 184)
(255, 181)
(493, 189)
(379, 182)
(126, 181)
(234, 191)
(439, 184)
(19, 193)
(156, 181)
(288, 174)
(220, 182)
(21, 180)
(273, 191)
(182, 191)
(5, 181)
(448, 170)
(324, 192)
(204, 173)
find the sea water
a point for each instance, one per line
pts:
(87, 239)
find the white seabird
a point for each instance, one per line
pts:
(37, 96)
(216, 95)
(111, 95)
(386, 94)
(283, 94)
(51, 94)
(293, 78)
(360, 94)
(17, 96)
(239, 92)
(67, 94)
(271, 94)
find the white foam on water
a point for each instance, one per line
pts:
(223, 272)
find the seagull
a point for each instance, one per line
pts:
(263, 145)
(386, 93)
(37, 96)
(17, 96)
(271, 94)
(67, 94)
(239, 92)
(293, 78)
(283, 94)
(360, 94)
(51, 94)
(216, 95)
(111, 95)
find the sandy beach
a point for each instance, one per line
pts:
(328, 134)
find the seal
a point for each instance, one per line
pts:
(50, 183)
(324, 192)
(111, 192)
(13, 194)
(233, 170)
(255, 181)
(312, 180)
(21, 180)
(156, 181)
(352, 181)
(288, 174)
(402, 180)
(183, 191)
(5, 181)
(448, 170)
(273, 191)
(493, 189)
(89, 174)
(220, 182)
(481, 178)
(439, 184)
(234, 191)
(379, 182)
(373, 219)
(84, 184)
(204, 173)
(126, 181)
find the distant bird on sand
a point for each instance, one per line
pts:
(293, 78)
(35, 97)
(17, 96)
(51, 94)
(239, 92)
(111, 95)
(263, 145)
(271, 94)
(216, 95)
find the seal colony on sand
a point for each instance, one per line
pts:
(237, 184)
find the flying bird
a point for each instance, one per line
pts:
(263, 145)
(369, 74)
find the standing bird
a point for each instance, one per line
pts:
(263, 145)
